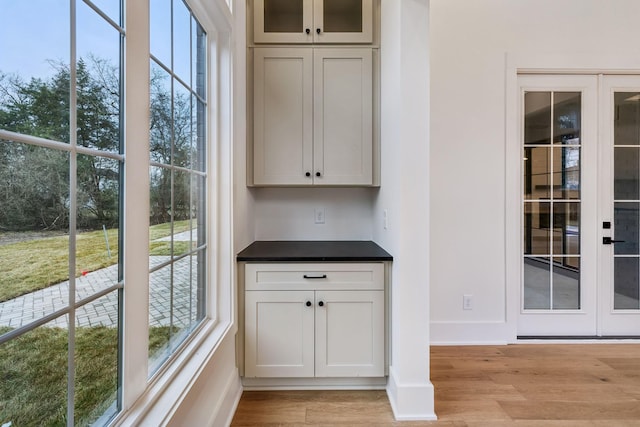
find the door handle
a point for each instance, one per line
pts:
(609, 240)
(308, 276)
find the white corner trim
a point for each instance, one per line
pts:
(410, 401)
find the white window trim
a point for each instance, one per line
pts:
(153, 402)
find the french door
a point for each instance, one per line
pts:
(580, 264)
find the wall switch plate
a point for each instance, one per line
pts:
(319, 216)
(467, 302)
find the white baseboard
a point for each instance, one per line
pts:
(410, 402)
(470, 333)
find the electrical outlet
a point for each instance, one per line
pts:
(319, 216)
(467, 302)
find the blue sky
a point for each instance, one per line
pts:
(33, 32)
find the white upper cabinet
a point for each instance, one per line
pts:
(313, 117)
(313, 21)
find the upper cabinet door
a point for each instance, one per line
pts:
(343, 21)
(313, 21)
(283, 116)
(343, 116)
(283, 21)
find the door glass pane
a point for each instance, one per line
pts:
(537, 173)
(537, 283)
(342, 16)
(626, 207)
(626, 179)
(537, 123)
(566, 117)
(566, 283)
(283, 16)
(536, 228)
(566, 173)
(626, 289)
(552, 181)
(625, 219)
(626, 126)
(566, 228)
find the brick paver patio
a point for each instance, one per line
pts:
(164, 304)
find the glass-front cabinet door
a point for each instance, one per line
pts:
(313, 21)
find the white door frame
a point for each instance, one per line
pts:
(622, 63)
(582, 321)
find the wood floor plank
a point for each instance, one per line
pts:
(533, 385)
(559, 410)
(575, 393)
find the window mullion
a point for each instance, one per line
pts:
(73, 183)
(136, 219)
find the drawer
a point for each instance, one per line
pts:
(311, 276)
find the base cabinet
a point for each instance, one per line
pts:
(323, 331)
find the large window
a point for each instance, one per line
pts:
(87, 167)
(60, 212)
(177, 177)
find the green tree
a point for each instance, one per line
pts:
(34, 193)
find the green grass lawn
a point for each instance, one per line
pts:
(33, 374)
(36, 264)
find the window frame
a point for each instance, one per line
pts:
(154, 400)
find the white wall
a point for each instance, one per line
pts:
(471, 43)
(288, 213)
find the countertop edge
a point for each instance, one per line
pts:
(313, 251)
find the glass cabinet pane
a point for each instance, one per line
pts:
(342, 16)
(283, 16)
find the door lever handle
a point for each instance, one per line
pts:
(609, 240)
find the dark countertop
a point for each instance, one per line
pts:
(313, 250)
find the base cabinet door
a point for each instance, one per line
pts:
(349, 334)
(279, 334)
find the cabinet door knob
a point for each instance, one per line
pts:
(308, 31)
(318, 30)
(321, 303)
(307, 174)
(308, 303)
(318, 174)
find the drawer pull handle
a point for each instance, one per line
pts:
(308, 303)
(321, 303)
(306, 276)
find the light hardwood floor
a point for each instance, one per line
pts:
(526, 385)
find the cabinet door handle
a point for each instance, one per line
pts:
(308, 304)
(306, 276)
(321, 303)
(318, 30)
(308, 31)
(307, 174)
(318, 174)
